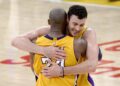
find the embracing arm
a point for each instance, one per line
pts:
(89, 65)
(24, 42)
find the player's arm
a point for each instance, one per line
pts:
(23, 42)
(89, 65)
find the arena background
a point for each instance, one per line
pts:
(20, 16)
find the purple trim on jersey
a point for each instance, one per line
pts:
(51, 38)
(90, 80)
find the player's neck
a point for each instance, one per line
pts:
(56, 32)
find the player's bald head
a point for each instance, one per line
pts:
(57, 16)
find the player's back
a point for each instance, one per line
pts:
(40, 61)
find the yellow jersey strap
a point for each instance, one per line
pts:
(82, 32)
(80, 35)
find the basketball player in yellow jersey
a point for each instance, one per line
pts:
(76, 19)
(84, 78)
(57, 19)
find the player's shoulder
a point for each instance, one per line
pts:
(89, 31)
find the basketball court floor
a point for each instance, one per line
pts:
(20, 16)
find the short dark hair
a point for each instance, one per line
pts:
(78, 10)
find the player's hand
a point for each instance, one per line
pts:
(53, 71)
(54, 52)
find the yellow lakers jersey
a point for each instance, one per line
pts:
(41, 61)
(83, 79)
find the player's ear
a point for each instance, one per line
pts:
(49, 21)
